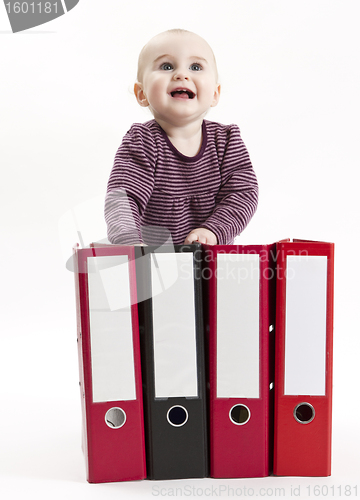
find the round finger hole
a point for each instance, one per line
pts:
(115, 418)
(239, 414)
(304, 413)
(177, 416)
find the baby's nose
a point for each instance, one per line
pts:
(181, 75)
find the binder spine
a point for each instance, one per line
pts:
(240, 431)
(112, 406)
(175, 418)
(303, 404)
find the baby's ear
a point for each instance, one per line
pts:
(216, 95)
(140, 95)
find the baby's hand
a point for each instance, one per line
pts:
(201, 235)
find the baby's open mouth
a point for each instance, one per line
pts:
(182, 94)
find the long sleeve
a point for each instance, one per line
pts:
(237, 199)
(130, 186)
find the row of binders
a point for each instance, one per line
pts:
(201, 360)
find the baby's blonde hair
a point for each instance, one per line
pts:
(174, 31)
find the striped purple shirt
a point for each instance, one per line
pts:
(153, 189)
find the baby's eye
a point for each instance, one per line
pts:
(196, 67)
(166, 67)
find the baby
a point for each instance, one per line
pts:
(179, 173)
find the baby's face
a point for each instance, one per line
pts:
(178, 78)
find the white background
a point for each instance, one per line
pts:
(290, 79)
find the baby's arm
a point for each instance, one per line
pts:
(129, 187)
(201, 235)
(237, 198)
